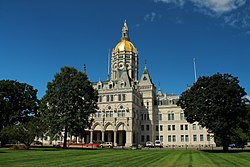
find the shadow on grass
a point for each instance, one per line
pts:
(229, 151)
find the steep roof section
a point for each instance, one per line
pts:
(145, 78)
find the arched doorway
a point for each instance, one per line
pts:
(97, 133)
(109, 133)
(121, 134)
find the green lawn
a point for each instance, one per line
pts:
(130, 158)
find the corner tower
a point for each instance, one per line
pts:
(124, 57)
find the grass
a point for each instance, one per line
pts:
(131, 158)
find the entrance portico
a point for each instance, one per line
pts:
(109, 133)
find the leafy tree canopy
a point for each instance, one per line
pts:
(23, 133)
(18, 103)
(69, 101)
(217, 103)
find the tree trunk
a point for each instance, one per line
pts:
(225, 148)
(65, 137)
(225, 143)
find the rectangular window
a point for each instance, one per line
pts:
(157, 137)
(141, 116)
(147, 116)
(208, 137)
(98, 114)
(119, 97)
(173, 127)
(169, 138)
(181, 127)
(182, 138)
(109, 113)
(148, 138)
(123, 97)
(121, 113)
(107, 97)
(169, 127)
(169, 116)
(201, 138)
(201, 127)
(172, 116)
(194, 126)
(186, 127)
(147, 127)
(111, 97)
(195, 137)
(157, 128)
(161, 127)
(142, 138)
(161, 139)
(181, 116)
(186, 138)
(160, 117)
(174, 138)
(142, 127)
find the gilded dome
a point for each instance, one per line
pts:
(125, 45)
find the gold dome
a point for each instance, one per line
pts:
(125, 45)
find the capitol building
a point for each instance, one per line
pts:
(132, 111)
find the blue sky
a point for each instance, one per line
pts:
(38, 37)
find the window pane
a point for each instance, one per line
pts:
(169, 127)
(160, 117)
(186, 138)
(195, 137)
(173, 127)
(208, 137)
(182, 138)
(201, 138)
(169, 138)
(161, 138)
(194, 126)
(161, 127)
(174, 138)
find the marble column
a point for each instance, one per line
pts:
(91, 136)
(129, 138)
(103, 135)
(115, 143)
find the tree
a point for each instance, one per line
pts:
(24, 133)
(68, 102)
(217, 103)
(18, 104)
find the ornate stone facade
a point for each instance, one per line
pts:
(130, 110)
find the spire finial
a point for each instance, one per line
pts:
(145, 64)
(84, 69)
(125, 31)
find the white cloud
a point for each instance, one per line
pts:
(177, 2)
(150, 16)
(217, 7)
(235, 13)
